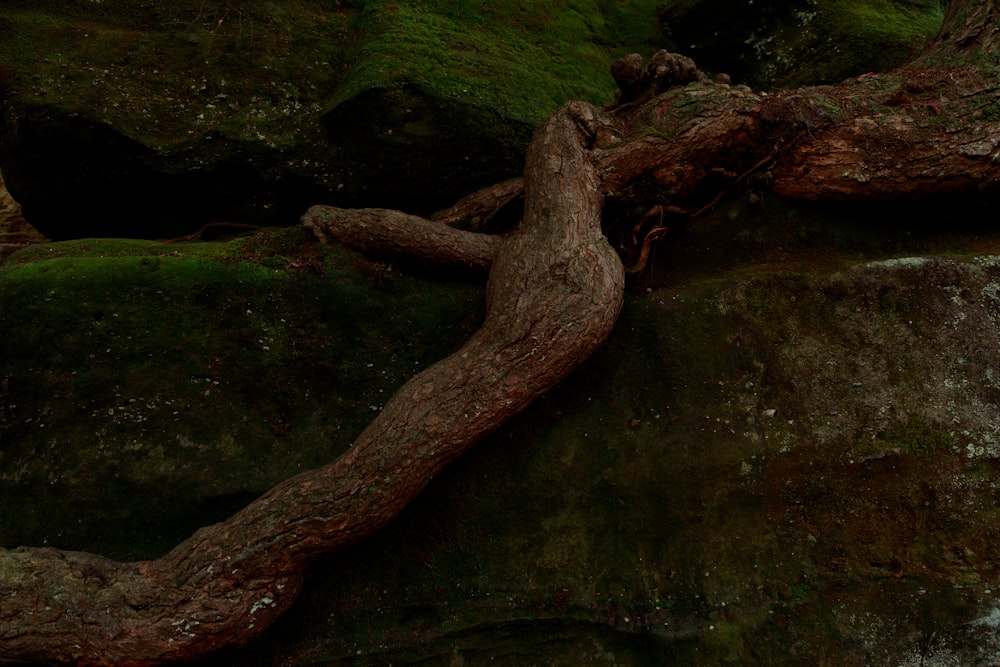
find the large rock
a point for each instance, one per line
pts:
(775, 44)
(140, 119)
(15, 232)
(786, 451)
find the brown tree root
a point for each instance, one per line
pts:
(553, 295)
(392, 234)
(554, 291)
(481, 209)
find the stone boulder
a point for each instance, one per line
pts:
(787, 449)
(148, 120)
(768, 44)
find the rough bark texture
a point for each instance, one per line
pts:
(554, 292)
(553, 296)
(928, 128)
(391, 234)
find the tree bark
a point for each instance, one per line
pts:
(553, 295)
(554, 291)
(930, 127)
(393, 234)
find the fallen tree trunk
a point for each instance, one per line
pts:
(555, 288)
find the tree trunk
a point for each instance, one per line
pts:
(555, 288)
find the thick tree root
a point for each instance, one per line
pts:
(482, 208)
(554, 293)
(392, 234)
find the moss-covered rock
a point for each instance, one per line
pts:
(192, 112)
(785, 452)
(780, 44)
(128, 366)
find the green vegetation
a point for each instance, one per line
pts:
(841, 38)
(521, 58)
(803, 42)
(162, 76)
(163, 72)
(914, 437)
(186, 378)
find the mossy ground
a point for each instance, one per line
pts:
(807, 42)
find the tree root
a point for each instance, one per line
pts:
(486, 209)
(554, 292)
(392, 234)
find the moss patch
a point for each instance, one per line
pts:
(162, 71)
(788, 44)
(129, 365)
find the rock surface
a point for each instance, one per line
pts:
(15, 232)
(152, 119)
(786, 450)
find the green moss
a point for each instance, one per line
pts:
(255, 72)
(888, 21)
(850, 37)
(724, 642)
(916, 437)
(520, 58)
(784, 44)
(162, 75)
(190, 377)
